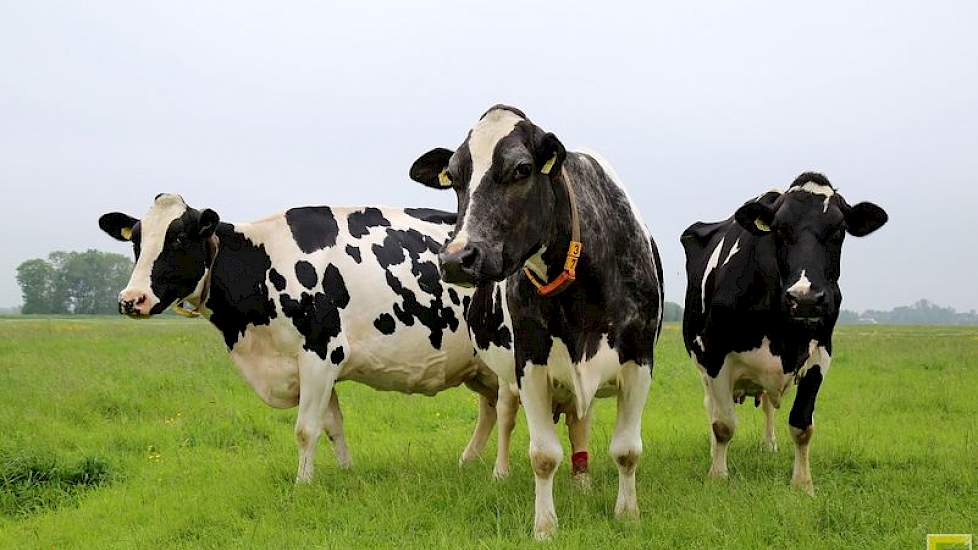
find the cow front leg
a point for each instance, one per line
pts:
(316, 379)
(769, 437)
(802, 424)
(334, 431)
(507, 405)
(545, 450)
(723, 420)
(626, 444)
(579, 432)
(483, 427)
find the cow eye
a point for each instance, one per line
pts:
(523, 170)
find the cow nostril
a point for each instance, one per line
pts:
(469, 258)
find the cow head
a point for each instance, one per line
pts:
(170, 245)
(808, 224)
(503, 174)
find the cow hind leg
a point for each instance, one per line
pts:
(483, 427)
(334, 430)
(769, 437)
(316, 379)
(802, 423)
(579, 432)
(626, 444)
(545, 450)
(723, 420)
(507, 405)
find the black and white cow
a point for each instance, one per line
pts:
(310, 297)
(761, 303)
(584, 323)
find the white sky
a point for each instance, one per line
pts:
(250, 108)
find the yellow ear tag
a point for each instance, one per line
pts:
(761, 225)
(548, 166)
(126, 233)
(443, 178)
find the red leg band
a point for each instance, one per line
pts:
(579, 463)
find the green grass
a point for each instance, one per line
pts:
(116, 433)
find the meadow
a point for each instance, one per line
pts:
(123, 434)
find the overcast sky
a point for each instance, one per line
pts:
(252, 108)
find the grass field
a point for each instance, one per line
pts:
(116, 433)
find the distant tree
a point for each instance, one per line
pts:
(38, 281)
(73, 282)
(672, 312)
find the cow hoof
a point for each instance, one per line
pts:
(582, 480)
(627, 512)
(344, 464)
(771, 445)
(500, 473)
(805, 486)
(544, 528)
(718, 474)
(467, 456)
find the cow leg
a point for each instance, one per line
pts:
(769, 437)
(802, 423)
(579, 432)
(626, 444)
(316, 379)
(723, 419)
(334, 431)
(545, 450)
(483, 427)
(507, 406)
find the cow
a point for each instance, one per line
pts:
(310, 297)
(762, 299)
(581, 285)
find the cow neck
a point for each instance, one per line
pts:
(574, 245)
(213, 247)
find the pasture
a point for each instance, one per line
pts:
(119, 434)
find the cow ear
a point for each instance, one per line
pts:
(118, 225)
(550, 154)
(431, 169)
(755, 217)
(864, 218)
(207, 223)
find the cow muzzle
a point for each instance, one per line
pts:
(136, 303)
(811, 306)
(461, 265)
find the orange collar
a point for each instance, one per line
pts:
(574, 249)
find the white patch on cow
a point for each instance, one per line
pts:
(711, 264)
(733, 250)
(153, 226)
(580, 383)
(609, 170)
(817, 189)
(802, 286)
(699, 342)
(493, 127)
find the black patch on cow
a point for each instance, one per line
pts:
(429, 309)
(432, 216)
(384, 323)
(317, 316)
(486, 320)
(313, 227)
(306, 273)
(500, 106)
(453, 296)
(337, 356)
(278, 281)
(804, 406)
(239, 294)
(360, 223)
(354, 252)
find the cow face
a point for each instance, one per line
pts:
(502, 174)
(171, 252)
(808, 224)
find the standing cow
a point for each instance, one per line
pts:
(310, 297)
(582, 285)
(761, 303)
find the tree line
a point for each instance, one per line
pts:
(82, 283)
